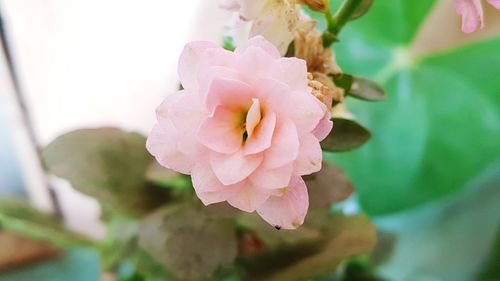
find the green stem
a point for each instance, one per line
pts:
(337, 22)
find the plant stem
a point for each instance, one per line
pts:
(337, 22)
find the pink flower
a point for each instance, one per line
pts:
(276, 20)
(246, 128)
(472, 13)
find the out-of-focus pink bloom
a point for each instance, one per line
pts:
(276, 20)
(246, 128)
(472, 13)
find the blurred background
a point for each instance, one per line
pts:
(68, 64)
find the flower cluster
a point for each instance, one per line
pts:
(246, 127)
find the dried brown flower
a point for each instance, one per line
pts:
(321, 63)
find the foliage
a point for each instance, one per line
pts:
(109, 165)
(439, 127)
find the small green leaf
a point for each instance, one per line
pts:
(365, 89)
(343, 81)
(109, 165)
(359, 87)
(189, 244)
(362, 9)
(346, 135)
(19, 217)
(328, 186)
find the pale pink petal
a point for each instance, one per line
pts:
(222, 132)
(230, 93)
(260, 139)
(161, 143)
(324, 127)
(272, 178)
(249, 197)
(189, 61)
(208, 188)
(231, 169)
(306, 111)
(284, 146)
(186, 113)
(255, 63)
(208, 74)
(472, 14)
(289, 210)
(253, 117)
(310, 156)
(274, 95)
(293, 71)
(259, 41)
(495, 3)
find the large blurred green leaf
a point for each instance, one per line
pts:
(344, 237)
(440, 126)
(109, 165)
(188, 242)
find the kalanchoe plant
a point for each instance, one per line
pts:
(246, 133)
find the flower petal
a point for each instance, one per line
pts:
(231, 169)
(253, 117)
(284, 146)
(208, 188)
(289, 210)
(161, 143)
(273, 95)
(324, 127)
(259, 41)
(186, 113)
(261, 137)
(230, 93)
(189, 62)
(222, 132)
(255, 63)
(249, 197)
(310, 156)
(472, 14)
(306, 112)
(272, 178)
(293, 71)
(495, 3)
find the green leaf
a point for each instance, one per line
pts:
(449, 239)
(19, 217)
(359, 87)
(108, 164)
(328, 186)
(344, 238)
(441, 125)
(189, 244)
(491, 270)
(346, 135)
